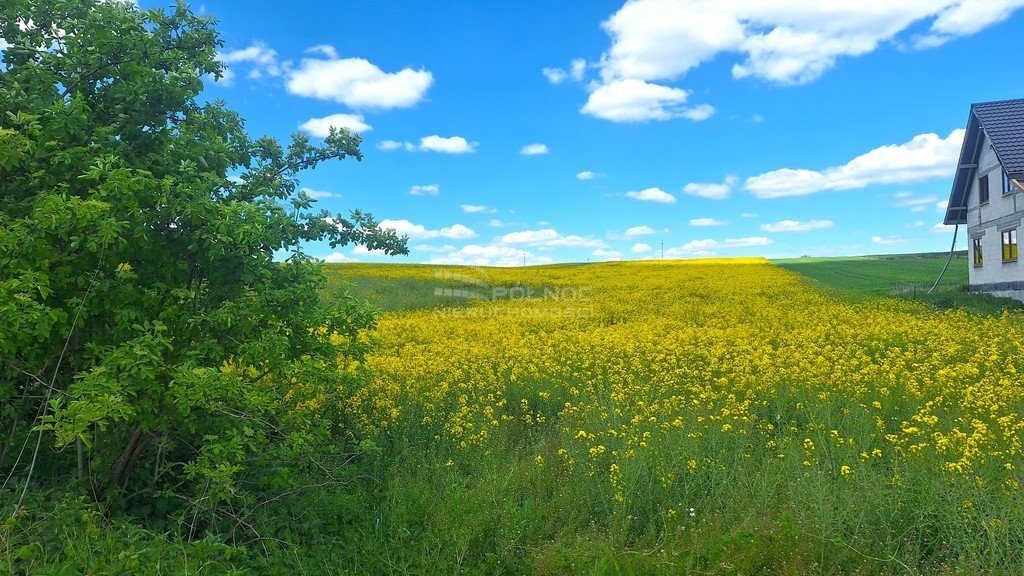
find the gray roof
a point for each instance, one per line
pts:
(1003, 123)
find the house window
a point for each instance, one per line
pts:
(1008, 187)
(978, 260)
(983, 189)
(1010, 245)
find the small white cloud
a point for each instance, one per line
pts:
(323, 50)
(261, 60)
(917, 224)
(888, 240)
(608, 255)
(425, 190)
(797, 226)
(388, 145)
(711, 191)
(533, 149)
(477, 209)
(924, 157)
(941, 228)
(358, 83)
(941, 205)
(555, 75)
(321, 127)
(320, 194)
(492, 255)
(364, 251)
(578, 67)
(419, 232)
(430, 248)
(748, 215)
(640, 248)
(912, 201)
(652, 195)
(639, 231)
(633, 100)
(707, 222)
(706, 248)
(587, 175)
(449, 145)
(335, 257)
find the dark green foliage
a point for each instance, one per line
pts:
(152, 352)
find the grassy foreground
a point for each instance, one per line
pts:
(710, 417)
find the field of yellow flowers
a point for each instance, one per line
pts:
(721, 415)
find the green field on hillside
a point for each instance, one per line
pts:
(899, 275)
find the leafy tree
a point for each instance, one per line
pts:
(150, 344)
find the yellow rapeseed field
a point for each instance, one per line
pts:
(644, 375)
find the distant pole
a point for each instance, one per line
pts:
(524, 258)
(662, 249)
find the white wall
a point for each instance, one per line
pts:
(983, 218)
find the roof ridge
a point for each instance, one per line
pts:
(997, 102)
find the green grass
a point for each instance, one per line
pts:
(906, 276)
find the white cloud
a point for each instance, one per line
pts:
(577, 68)
(587, 175)
(914, 202)
(419, 232)
(320, 194)
(335, 257)
(498, 223)
(941, 228)
(388, 145)
(533, 149)
(633, 100)
(549, 238)
(797, 226)
(261, 60)
(941, 205)
(492, 255)
(639, 231)
(450, 145)
(917, 224)
(640, 248)
(425, 190)
(555, 75)
(430, 248)
(321, 127)
(363, 250)
(653, 195)
(925, 157)
(704, 248)
(358, 83)
(711, 191)
(608, 255)
(707, 222)
(885, 240)
(323, 50)
(477, 209)
(748, 215)
(781, 41)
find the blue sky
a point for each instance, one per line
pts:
(719, 128)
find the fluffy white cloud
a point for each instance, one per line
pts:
(419, 232)
(549, 238)
(711, 191)
(888, 239)
(449, 145)
(261, 60)
(924, 157)
(639, 231)
(652, 195)
(335, 257)
(587, 175)
(430, 248)
(913, 201)
(577, 68)
(323, 50)
(388, 145)
(797, 226)
(555, 75)
(703, 248)
(425, 190)
(941, 228)
(477, 209)
(492, 255)
(321, 127)
(707, 222)
(608, 255)
(357, 82)
(633, 100)
(320, 194)
(782, 41)
(640, 248)
(533, 149)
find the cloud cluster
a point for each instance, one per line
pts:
(719, 191)
(707, 222)
(357, 83)
(433, 143)
(425, 190)
(924, 157)
(707, 247)
(404, 227)
(779, 41)
(548, 238)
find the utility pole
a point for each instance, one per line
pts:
(662, 249)
(524, 258)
